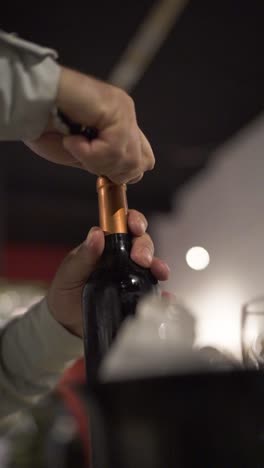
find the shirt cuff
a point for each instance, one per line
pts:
(13, 40)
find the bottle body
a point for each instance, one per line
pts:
(110, 295)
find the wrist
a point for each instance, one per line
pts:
(85, 100)
(71, 94)
(75, 329)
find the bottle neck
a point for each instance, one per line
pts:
(113, 220)
(112, 203)
(118, 244)
(117, 249)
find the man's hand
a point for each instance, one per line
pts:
(121, 152)
(65, 294)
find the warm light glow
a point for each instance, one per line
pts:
(197, 258)
(219, 315)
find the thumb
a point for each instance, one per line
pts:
(80, 262)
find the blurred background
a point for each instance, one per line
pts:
(196, 72)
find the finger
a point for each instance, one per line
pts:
(99, 157)
(170, 297)
(125, 177)
(142, 250)
(136, 179)
(94, 156)
(80, 263)
(79, 144)
(160, 269)
(147, 153)
(137, 223)
(50, 147)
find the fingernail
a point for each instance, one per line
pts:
(143, 225)
(89, 239)
(167, 267)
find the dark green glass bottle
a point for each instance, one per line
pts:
(114, 289)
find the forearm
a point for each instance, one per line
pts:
(35, 350)
(29, 78)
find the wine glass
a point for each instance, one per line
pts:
(252, 333)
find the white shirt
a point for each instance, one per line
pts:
(35, 349)
(29, 77)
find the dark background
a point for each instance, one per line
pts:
(205, 83)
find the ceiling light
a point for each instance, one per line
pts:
(197, 258)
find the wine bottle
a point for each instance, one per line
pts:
(114, 289)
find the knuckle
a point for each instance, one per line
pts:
(150, 161)
(144, 219)
(129, 103)
(145, 242)
(149, 242)
(124, 95)
(136, 217)
(129, 159)
(152, 164)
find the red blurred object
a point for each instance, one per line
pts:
(68, 391)
(75, 374)
(32, 261)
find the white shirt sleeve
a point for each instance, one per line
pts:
(35, 350)
(29, 77)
